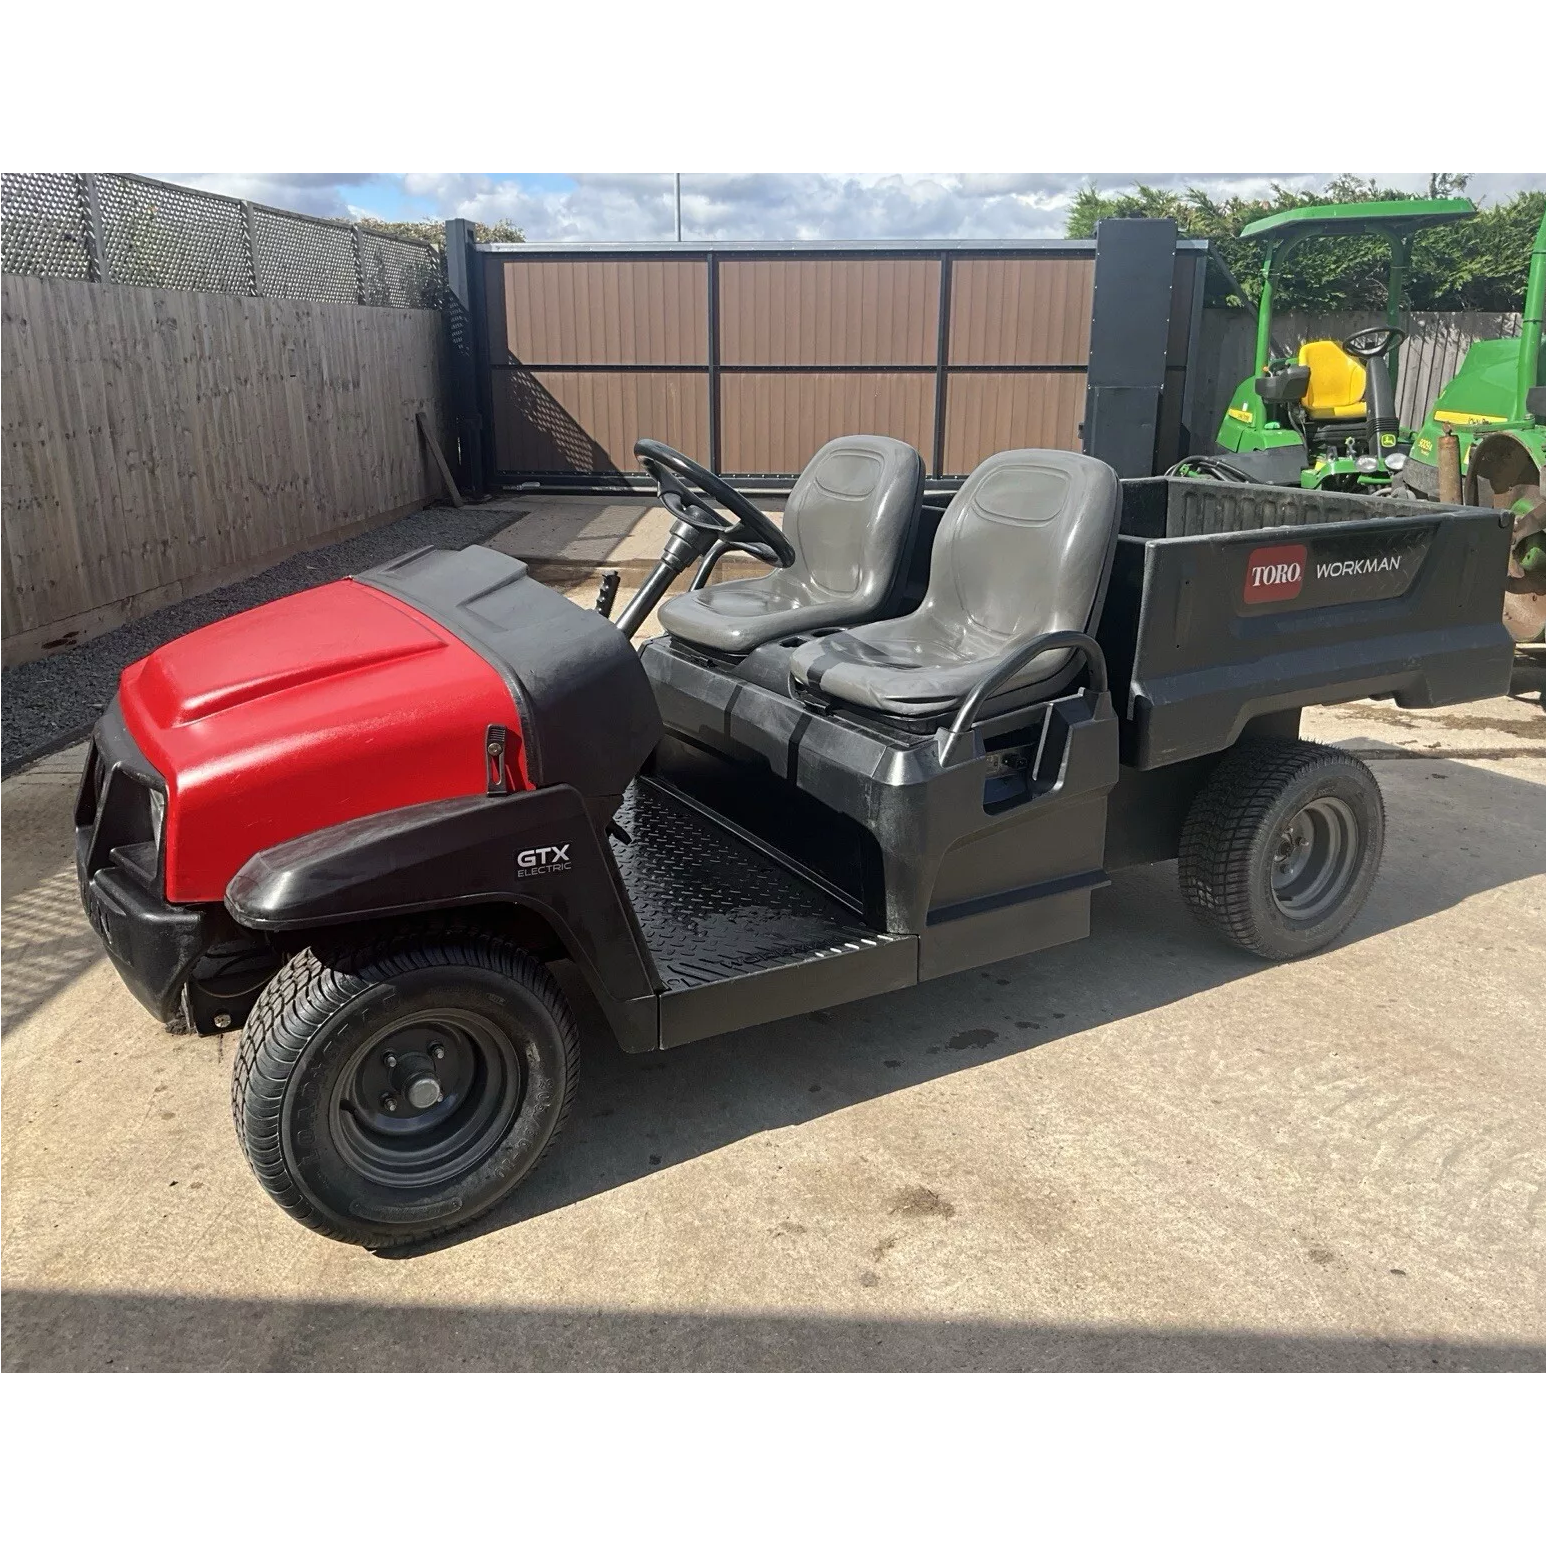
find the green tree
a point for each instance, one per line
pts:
(434, 231)
(1477, 264)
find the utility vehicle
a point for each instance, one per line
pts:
(362, 821)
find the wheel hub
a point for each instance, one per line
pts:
(1315, 859)
(425, 1099)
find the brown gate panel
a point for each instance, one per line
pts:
(1021, 311)
(990, 412)
(750, 357)
(775, 423)
(587, 421)
(825, 311)
(627, 311)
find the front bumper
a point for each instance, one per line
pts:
(153, 943)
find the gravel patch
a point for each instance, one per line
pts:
(49, 703)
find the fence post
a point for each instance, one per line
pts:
(96, 237)
(462, 326)
(252, 247)
(359, 264)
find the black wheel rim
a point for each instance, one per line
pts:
(1315, 859)
(426, 1099)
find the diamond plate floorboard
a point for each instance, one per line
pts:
(713, 907)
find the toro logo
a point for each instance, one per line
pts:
(542, 861)
(1274, 574)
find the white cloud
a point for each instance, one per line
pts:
(592, 207)
(310, 193)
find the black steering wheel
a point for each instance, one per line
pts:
(683, 483)
(1369, 343)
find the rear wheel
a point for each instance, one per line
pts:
(390, 1093)
(1281, 846)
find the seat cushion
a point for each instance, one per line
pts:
(737, 615)
(1024, 549)
(850, 519)
(1337, 380)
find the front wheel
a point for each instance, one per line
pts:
(1282, 845)
(389, 1093)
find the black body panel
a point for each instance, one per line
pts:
(153, 944)
(539, 850)
(1285, 598)
(587, 717)
(986, 857)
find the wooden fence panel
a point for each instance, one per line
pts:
(158, 443)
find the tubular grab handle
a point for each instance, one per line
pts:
(1020, 656)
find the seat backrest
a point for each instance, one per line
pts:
(851, 519)
(1336, 380)
(1025, 547)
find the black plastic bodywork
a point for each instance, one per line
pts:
(587, 717)
(153, 943)
(538, 850)
(770, 856)
(1402, 605)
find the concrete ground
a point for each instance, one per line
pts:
(1143, 1150)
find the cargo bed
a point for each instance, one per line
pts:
(1228, 603)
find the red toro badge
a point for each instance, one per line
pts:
(1274, 574)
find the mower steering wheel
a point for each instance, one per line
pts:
(1369, 343)
(682, 482)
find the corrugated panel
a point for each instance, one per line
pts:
(985, 413)
(776, 423)
(1021, 311)
(583, 312)
(587, 421)
(822, 311)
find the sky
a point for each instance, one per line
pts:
(595, 206)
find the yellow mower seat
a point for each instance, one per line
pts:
(1336, 381)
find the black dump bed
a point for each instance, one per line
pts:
(1229, 601)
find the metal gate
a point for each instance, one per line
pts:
(749, 356)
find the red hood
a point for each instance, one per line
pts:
(334, 703)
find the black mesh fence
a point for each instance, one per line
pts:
(134, 230)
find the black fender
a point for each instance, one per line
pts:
(539, 849)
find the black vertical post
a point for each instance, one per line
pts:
(1194, 437)
(714, 414)
(941, 365)
(464, 320)
(1129, 330)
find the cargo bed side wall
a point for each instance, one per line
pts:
(1233, 626)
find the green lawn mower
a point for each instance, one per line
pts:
(1485, 443)
(1325, 417)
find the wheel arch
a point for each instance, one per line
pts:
(461, 860)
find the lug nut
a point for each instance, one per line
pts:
(390, 1060)
(436, 1050)
(389, 1102)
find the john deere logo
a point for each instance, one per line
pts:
(1274, 574)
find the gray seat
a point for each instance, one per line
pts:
(850, 520)
(1023, 550)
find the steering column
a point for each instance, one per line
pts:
(698, 529)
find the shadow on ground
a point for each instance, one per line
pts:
(636, 1114)
(155, 1333)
